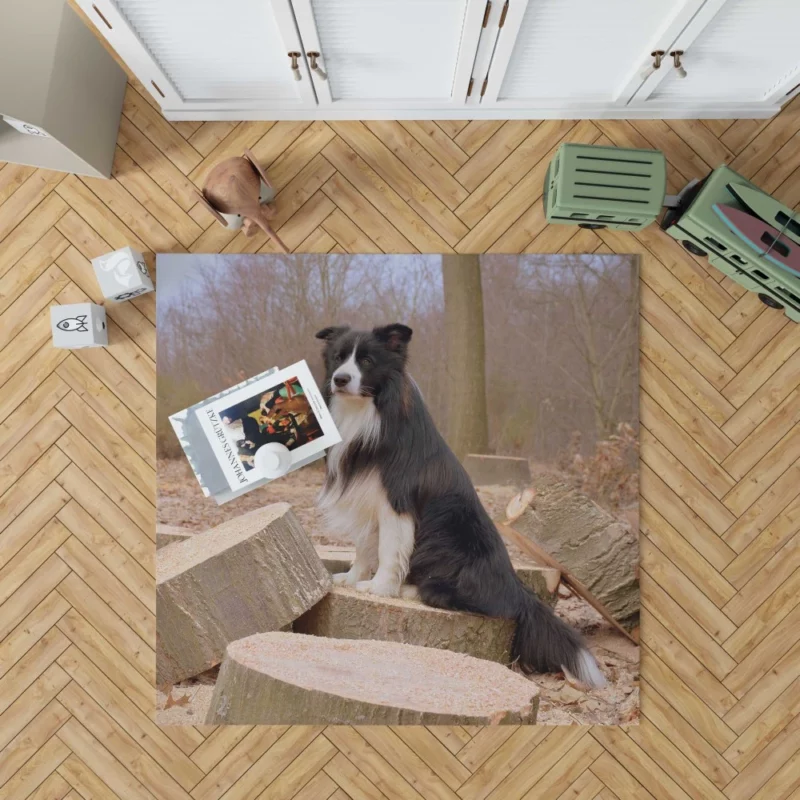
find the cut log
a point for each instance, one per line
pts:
(600, 550)
(257, 572)
(348, 614)
(542, 581)
(289, 678)
(569, 582)
(497, 470)
(170, 534)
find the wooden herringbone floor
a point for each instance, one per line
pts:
(720, 408)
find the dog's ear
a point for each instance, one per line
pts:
(329, 334)
(396, 336)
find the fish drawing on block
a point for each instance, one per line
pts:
(763, 238)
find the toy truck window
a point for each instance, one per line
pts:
(774, 244)
(786, 293)
(792, 225)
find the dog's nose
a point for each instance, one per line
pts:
(341, 380)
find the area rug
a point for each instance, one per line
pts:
(397, 489)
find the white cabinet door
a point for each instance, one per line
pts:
(735, 51)
(390, 54)
(563, 54)
(207, 55)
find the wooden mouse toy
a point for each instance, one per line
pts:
(235, 188)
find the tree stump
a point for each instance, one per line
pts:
(170, 534)
(257, 572)
(600, 550)
(497, 470)
(289, 678)
(542, 581)
(348, 614)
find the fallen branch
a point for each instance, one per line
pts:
(567, 578)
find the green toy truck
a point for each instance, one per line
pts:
(757, 245)
(696, 225)
(605, 187)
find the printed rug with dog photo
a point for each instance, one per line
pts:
(397, 489)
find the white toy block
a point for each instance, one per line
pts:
(122, 274)
(78, 325)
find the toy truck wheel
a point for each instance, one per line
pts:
(769, 301)
(693, 248)
(592, 226)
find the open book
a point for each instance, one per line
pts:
(221, 434)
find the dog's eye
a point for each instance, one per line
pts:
(365, 361)
(337, 359)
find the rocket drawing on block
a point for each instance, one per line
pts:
(74, 324)
(78, 325)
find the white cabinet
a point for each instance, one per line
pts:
(430, 59)
(734, 51)
(575, 54)
(390, 54)
(206, 56)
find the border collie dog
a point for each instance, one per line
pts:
(395, 487)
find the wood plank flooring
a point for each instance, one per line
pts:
(720, 378)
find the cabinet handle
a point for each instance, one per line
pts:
(676, 60)
(657, 55)
(503, 15)
(312, 57)
(295, 66)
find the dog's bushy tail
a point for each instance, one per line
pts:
(544, 643)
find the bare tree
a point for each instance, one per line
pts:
(467, 424)
(560, 336)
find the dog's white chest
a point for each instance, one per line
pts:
(356, 500)
(357, 421)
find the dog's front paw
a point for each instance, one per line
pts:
(381, 588)
(344, 579)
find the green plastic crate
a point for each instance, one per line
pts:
(695, 224)
(605, 187)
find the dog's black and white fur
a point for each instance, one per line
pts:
(398, 490)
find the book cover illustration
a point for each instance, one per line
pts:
(221, 434)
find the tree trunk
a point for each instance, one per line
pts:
(467, 423)
(289, 678)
